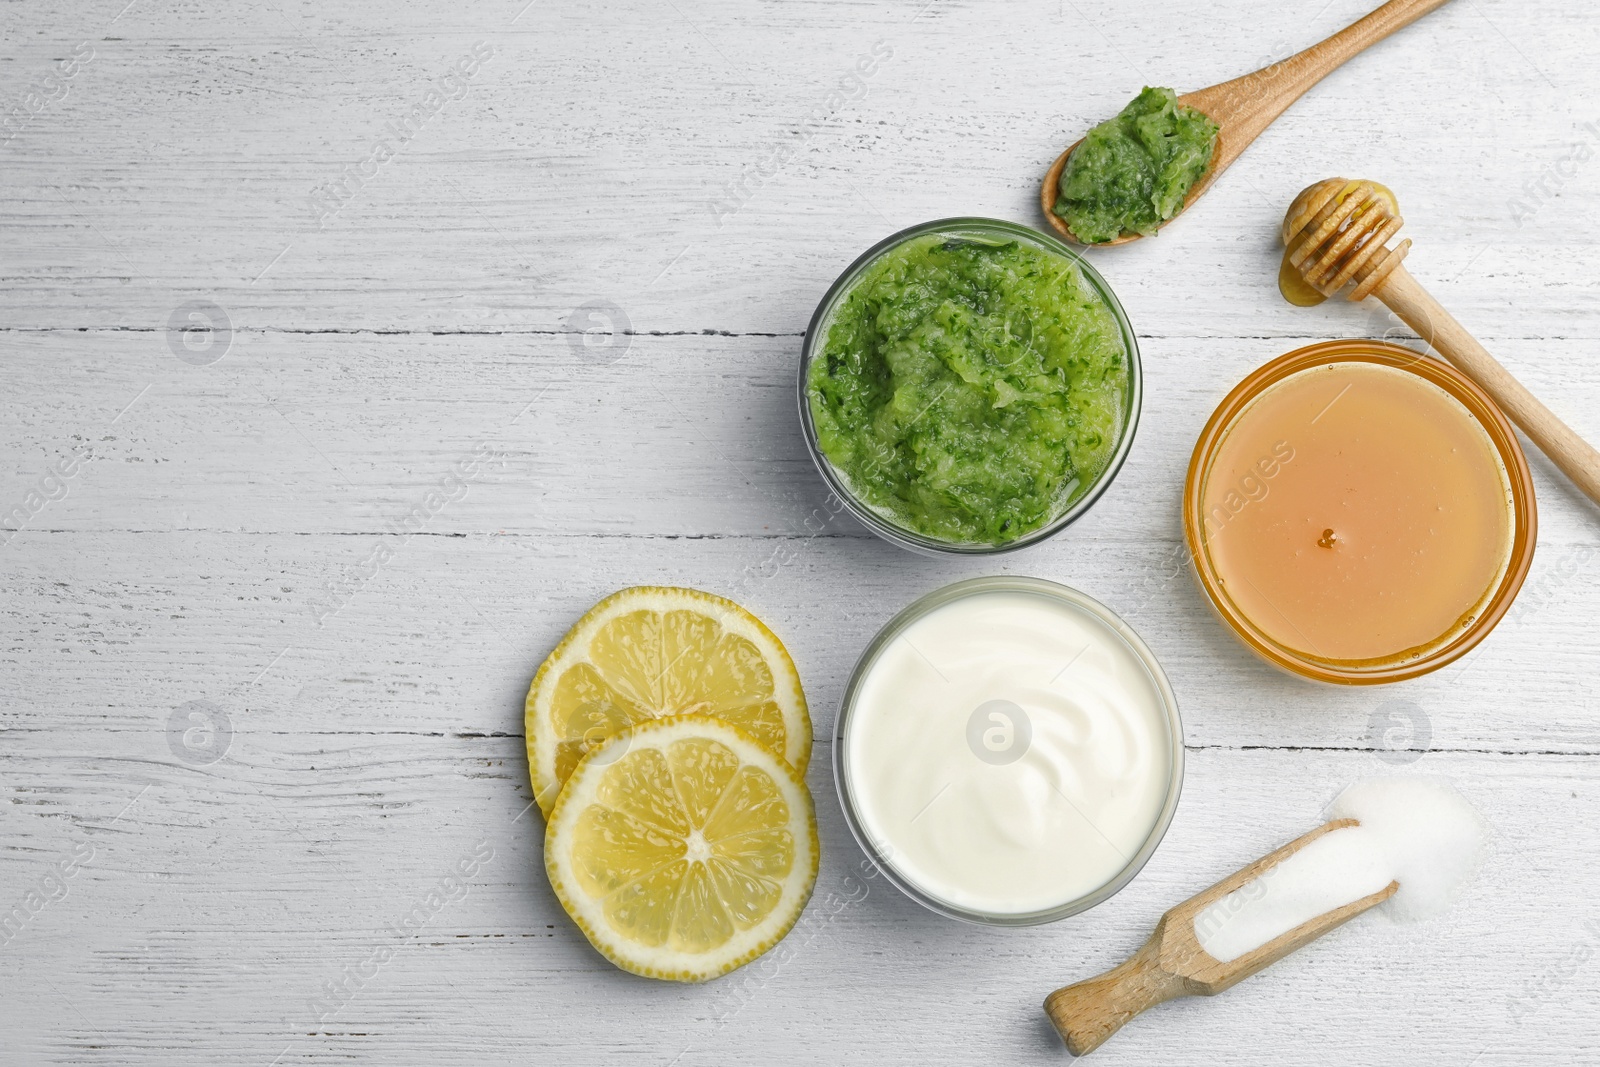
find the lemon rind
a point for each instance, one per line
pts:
(569, 651)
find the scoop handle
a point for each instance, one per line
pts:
(1577, 459)
(1086, 1013)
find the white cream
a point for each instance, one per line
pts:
(1009, 753)
(1419, 832)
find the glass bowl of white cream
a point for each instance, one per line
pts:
(1008, 752)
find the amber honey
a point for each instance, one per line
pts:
(1358, 512)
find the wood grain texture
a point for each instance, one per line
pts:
(215, 541)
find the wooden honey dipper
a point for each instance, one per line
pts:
(1335, 234)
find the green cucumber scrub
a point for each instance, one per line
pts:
(970, 390)
(1131, 173)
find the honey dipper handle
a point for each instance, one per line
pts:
(1086, 1013)
(1578, 459)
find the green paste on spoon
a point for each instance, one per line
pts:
(1131, 173)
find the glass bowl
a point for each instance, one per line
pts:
(1132, 659)
(1411, 662)
(816, 335)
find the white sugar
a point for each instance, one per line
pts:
(1430, 837)
(1417, 831)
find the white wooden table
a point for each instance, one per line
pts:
(342, 534)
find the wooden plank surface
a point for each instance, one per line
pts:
(686, 180)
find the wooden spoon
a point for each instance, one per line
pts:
(1172, 963)
(1242, 108)
(1335, 234)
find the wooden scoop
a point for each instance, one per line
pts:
(1242, 108)
(1335, 234)
(1172, 963)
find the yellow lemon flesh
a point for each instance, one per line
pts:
(683, 848)
(652, 651)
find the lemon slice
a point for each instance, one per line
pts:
(651, 651)
(683, 848)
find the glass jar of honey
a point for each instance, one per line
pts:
(1359, 513)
